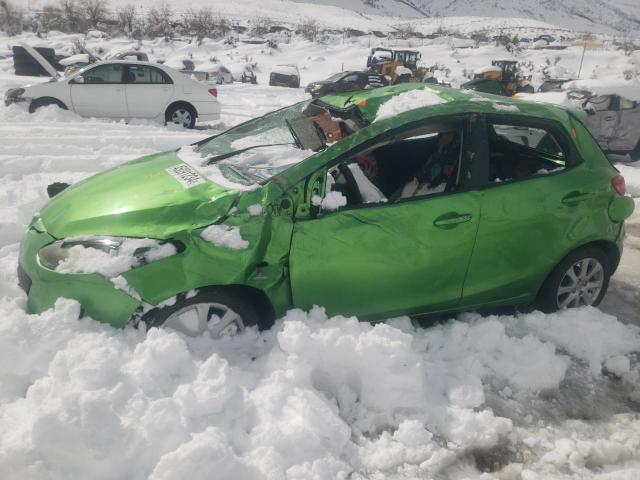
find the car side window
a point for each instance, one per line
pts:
(146, 74)
(424, 162)
(601, 103)
(109, 73)
(353, 78)
(626, 104)
(519, 151)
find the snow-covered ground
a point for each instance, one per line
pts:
(507, 397)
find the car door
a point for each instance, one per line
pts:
(534, 206)
(400, 257)
(347, 83)
(627, 132)
(99, 92)
(148, 90)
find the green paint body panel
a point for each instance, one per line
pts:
(410, 257)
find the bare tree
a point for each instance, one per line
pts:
(71, 16)
(50, 18)
(126, 18)
(261, 26)
(406, 31)
(93, 12)
(309, 29)
(223, 25)
(159, 20)
(11, 18)
(200, 22)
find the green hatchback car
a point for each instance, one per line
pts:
(405, 200)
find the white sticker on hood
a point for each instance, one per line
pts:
(186, 175)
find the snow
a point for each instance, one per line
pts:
(255, 209)
(526, 396)
(406, 101)
(503, 107)
(225, 236)
(331, 201)
(304, 399)
(79, 58)
(86, 259)
(487, 69)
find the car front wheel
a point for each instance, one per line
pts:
(581, 279)
(182, 115)
(218, 312)
(45, 102)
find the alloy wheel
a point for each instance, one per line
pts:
(181, 117)
(218, 319)
(581, 284)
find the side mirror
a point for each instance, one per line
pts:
(78, 79)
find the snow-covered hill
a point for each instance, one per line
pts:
(610, 16)
(597, 16)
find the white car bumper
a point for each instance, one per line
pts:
(208, 111)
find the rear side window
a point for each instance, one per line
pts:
(601, 103)
(146, 74)
(110, 73)
(519, 151)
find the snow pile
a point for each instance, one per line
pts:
(131, 253)
(225, 236)
(316, 397)
(332, 201)
(631, 176)
(406, 101)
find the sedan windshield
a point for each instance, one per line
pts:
(259, 149)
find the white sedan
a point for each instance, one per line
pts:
(122, 89)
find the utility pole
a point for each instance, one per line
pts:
(584, 49)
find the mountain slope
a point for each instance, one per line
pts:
(607, 16)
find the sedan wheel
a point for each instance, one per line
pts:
(194, 320)
(581, 284)
(182, 116)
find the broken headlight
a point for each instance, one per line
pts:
(109, 256)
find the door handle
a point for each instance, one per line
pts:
(574, 198)
(451, 219)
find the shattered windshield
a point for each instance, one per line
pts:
(253, 152)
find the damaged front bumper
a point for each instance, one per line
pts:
(99, 298)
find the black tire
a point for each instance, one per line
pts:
(549, 299)
(176, 114)
(244, 305)
(45, 102)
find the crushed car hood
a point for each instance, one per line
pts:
(141, 198)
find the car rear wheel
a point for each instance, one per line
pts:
(183, 115)
(581, 279)
(220, 313)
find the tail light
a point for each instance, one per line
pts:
(619, 185)
(214, 92)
